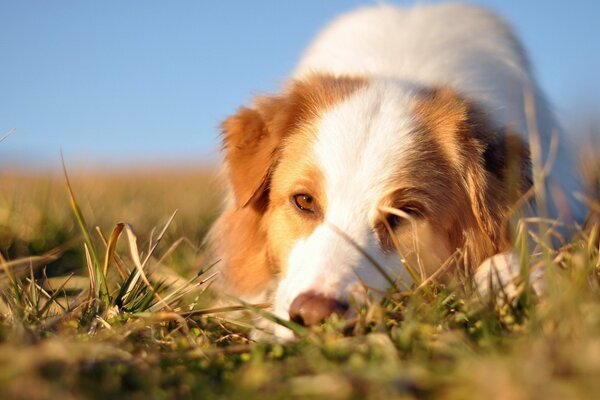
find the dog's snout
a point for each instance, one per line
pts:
(312, 308)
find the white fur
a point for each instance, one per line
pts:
(501, 273)
(358, 142)
(461, 46)
(401, 49)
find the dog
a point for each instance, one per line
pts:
(403, 136)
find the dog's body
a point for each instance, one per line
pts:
(402, 131)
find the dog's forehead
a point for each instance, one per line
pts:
(363, 141)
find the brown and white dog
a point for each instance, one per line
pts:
(401, 137)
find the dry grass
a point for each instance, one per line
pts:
(124, 314)
(35, 215)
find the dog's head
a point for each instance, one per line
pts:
(341, 183)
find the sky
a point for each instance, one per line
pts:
(118, 83)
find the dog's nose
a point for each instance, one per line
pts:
(312, 308)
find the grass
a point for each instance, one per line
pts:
(105, 293)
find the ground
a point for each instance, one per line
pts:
(106, 293)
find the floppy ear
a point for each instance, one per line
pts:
(250, 153)
(252, 140)
(493, 163)
(252, 137)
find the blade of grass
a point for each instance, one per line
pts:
(450, 261)
(294, 327)
(93, 283)
(111, 245)
(101, 290)
(174, 247)
(118, 262)
(366, 255)
(226, 309)
(33, 292)
(159, 238)
(7, 134)
(15, 302)
(55, 293)
(411, 270)
(140, 274)
(185, 288)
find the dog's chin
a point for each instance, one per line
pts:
(281, 334)
(271, 332)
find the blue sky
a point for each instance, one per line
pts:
(119, 83)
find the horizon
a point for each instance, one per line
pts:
(119, 85)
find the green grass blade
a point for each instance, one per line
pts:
(101, 288)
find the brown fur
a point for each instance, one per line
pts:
(460, 177)
(296, 173)
(489, 169)
(253, 141)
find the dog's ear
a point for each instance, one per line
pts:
(250, 153)
(252, 137)
(493, 163)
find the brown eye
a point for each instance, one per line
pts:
(304, 202)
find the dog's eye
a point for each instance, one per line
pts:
(394, 220)
(304, 202)
(409, 212)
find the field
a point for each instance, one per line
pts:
(106, 293)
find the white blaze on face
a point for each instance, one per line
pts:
(361, 142)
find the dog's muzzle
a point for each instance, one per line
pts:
(311, 308)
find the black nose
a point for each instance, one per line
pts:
(312, 308)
